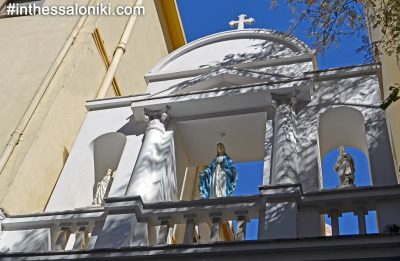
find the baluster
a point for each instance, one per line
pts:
(189, 231)
(62, 239)
(163, 233)
(334, 214)
(81, 239)
(362, 227)
(94, 229)
(241, 228)
(215, 226)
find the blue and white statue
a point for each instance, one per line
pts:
(219, 178)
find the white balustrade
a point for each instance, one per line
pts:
(73, 230)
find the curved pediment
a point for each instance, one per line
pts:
(232, 48)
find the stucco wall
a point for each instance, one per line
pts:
(77, 178)
(30, 44)
(390, 76)
(357, 93)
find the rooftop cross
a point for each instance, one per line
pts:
(242, 21)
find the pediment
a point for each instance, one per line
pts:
(223, 77)
(229, 59)
(232, 48)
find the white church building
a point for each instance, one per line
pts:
(261, 94)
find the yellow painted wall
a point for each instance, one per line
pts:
(28, 47)
(33, 43)
(147, 46)
(390, 76)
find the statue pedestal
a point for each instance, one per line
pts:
(346, 186)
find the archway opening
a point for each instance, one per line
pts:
(107, 152)
(342, 126)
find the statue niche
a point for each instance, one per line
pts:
(345, 168)
(220, 177)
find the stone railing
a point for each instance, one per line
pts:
(79, 229)
(215, 212)
(359, 201)
(68, 230)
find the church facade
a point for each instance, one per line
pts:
(261, 94)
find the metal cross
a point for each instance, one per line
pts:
(242, 21)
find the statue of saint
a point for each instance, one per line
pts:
(345, 168)
(219, 178)
(102, 189)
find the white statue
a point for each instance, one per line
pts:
(102, 188)
(345, 168)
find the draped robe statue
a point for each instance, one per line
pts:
(102, 188)
(219, 178)
(345, 168)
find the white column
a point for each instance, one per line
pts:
(280, 219)
(151, 169)
(153, 179)
(285, 144)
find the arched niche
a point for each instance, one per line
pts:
(362, 170)
(107, 152)
(341, 126)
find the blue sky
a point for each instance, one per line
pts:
(205, 17)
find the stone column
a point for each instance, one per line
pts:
(153, 177)
(280, 219)
(284, 168)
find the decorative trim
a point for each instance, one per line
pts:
(103, 53)
(171, 23)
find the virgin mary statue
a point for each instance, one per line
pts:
(219, 178)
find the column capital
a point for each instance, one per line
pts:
(156, 119)
(284, 99)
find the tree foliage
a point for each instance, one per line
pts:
(331, 20)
